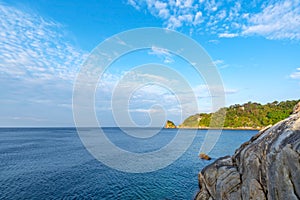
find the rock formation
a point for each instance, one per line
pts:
(266, 167)
(170, 124)
(204, 156)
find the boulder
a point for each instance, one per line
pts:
(204, 156)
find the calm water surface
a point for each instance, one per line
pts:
(52, 163)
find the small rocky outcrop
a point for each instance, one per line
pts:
(204, 156)
(170, 124)
(266, 167)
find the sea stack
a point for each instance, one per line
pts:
(170, 124)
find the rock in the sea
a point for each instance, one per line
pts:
(170, 124)
(266, 167)
(204, 156)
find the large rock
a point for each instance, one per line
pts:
(266, 167)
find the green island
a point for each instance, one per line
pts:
(170, 124)
(249, 115)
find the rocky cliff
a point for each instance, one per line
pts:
(266, 167)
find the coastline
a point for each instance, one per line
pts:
(223, 128)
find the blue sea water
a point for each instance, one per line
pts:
(52, 163)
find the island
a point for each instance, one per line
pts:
(170, 124)
(247, 116)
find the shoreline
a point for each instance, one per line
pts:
(223, 128)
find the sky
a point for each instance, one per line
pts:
(254, 45)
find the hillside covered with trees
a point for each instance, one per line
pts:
(248, 115)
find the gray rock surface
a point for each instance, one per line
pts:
(266, 167)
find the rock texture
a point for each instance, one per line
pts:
(266, 167)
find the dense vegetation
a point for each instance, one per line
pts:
(248, 115)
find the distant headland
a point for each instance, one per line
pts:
(247, 116)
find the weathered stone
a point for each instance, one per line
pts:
(228, 182)
(256, 190)
(266, 167)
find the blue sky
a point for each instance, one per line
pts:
(254, 44)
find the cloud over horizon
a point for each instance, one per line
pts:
(38, 66)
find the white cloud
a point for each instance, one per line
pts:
(214, 41)
(159, 51)
(296, 75)
(26, 118)
(174, 23)
(186, 18)
(211, 6)
(133, 4)
(204, 91)
(198, 18)
(162, 53)
(277, 21)
(221, 15)
(39, 64)
(188, 3)
(228, 35)
(160, 5)
(35, 48)
(195, 14)
(164, 13)
(227, 19)
(218, 62)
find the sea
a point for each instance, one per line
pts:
(53, 163)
